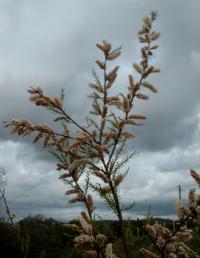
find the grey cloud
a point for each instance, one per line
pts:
(58, 51)
(34, 188)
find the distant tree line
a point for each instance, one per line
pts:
(48, 238)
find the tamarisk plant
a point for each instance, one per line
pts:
(23, 240)
(174, 244)
(95, 150)
(3, 183)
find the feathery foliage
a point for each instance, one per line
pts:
(97, 148)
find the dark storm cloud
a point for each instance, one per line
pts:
(52, 45)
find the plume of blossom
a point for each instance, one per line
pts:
(85, 216)
(181, 211)
(193, 199)
(109, 251)
(165, 241)
(85, 225)
(73, 227)
(101, 175)
(80, 197)
(151, 230)
(183, 235)
(196, 176)
(90, 203)
(101, 239)
(84, 239)
(40, 100)
(118, 179)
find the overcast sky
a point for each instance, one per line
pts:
(52, 44)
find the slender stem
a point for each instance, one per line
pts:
(6, 206)
(104, 100)
(121, 221)
(106, 166)
(79, 126)
(126, 114)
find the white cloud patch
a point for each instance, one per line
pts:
(156, 176)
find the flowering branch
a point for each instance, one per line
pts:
(174, 244)
(96, 148)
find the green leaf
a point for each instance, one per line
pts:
(127, 207)
(56, 154)
(62, 94)
(96, 77)
(91, 122)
